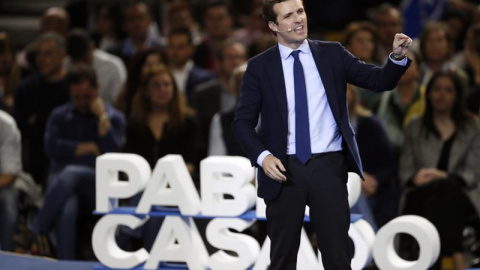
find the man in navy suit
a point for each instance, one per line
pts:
(304, 152)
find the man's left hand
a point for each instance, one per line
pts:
(401, 44)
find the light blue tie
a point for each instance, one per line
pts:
(302, 128)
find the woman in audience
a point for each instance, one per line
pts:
(139, 65)
(439, 164)
(361, 40)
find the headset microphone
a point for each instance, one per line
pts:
(288, 30)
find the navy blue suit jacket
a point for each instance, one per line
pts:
(263, 93)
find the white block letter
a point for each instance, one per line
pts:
(226, 175)
(109, 188)
(105, 247)
(170, 185)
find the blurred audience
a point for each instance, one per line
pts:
(111, 72)
(140, 64)
(380, 193)
(217, 95)
(395, 108)
(439, 165)
(107, 28)
(180, 51)
(77, 132)
(37, 95)
(140, 28)
(218, 26)
(180, 15)
(10, 73)
(10, 167)
(388, 21)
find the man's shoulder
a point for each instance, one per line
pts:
(31, 81)
(107, 61)
(114, 113)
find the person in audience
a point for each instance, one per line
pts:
(137, 70)
(436, 50)
(10, 73)
(77, 132)
(36, 97)
(180, 50)
(140, 29)
(107, 26)
(221, 140)
(10, 167)
(393, 108)
(111, 71)
(160, 125)
(180, 16)
(361, 40)
(254, 28)
(438, 166)
(388, 21)
(218, 25)
(380, 195)
(471, 60)
(217, 95)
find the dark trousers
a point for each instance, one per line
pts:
(320, 184)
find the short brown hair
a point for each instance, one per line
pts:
(267, 11)
(79, 73)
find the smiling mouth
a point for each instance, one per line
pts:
(298, 28)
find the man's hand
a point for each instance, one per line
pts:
(427, 175)
(87, 148)
(401, 43)
(97, 107)
(274, 168)
(370, 185)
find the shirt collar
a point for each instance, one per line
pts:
(286, 51)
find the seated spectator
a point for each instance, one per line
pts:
(380, 194)
(394, 107)
(222, 141)
(37, 95)
(180, 50)
(107, 26)
(160, 123)
(180, 15)
(439, 165)
(218, 25)
(77, 132)
(388, 21)
(9, 73)
(472, 59)
(111, 71)
(10, 167)
(141, 31)
(137, 70)
(217, 95)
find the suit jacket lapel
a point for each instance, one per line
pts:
(275, 75)
(326, 74)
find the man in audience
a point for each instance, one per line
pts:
(141, 31)
(110, 69)
(218, 95)
(388, 20)
(10, 167)
(218, 24)
(36, 97)
(180, 51)
(77, 132)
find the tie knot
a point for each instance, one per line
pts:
(295, 54)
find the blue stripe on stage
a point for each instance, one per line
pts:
(168, 211)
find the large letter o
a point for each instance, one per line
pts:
(386, 258)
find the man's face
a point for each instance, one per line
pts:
(137, 21)
(388, 24)
(83, 94)
(232, 57)
(49, 58)
(179, 50)
(291, 23)
(218, 22)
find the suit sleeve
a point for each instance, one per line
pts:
(247, 113)
(372, 77)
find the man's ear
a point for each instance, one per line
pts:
(272, 26)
